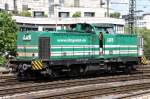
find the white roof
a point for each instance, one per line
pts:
(51, 21)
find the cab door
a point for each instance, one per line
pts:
(44, 48)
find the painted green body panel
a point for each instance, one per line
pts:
(77, 45)
(70, 45)
(120, 45)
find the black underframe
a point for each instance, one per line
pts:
(83, 61)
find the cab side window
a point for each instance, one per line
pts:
(73, 27)
(106, 31)
(87, 28)
(109, 30)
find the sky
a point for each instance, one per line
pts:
(124, 8)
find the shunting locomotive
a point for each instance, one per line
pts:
(75, 51)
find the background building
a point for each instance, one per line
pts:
(60, 13)
(60, 8)
(142, 21)
(146, 20)
(7, 5)
(43, 24)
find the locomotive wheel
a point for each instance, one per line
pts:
(19, 76)
(75, 71)
(55, 74)
(52, 73)
(28, 75)
(21, 73)
(22, 76)
(134, 67)
(113, 69)
(83, 70)
(128, 69)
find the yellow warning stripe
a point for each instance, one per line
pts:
(144, 60)
(32, 64)
(40, 64)
(37, 65)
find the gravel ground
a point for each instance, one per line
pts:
(138, 95)
(4, 70)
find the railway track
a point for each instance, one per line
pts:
(7, 76)
(94, 90)
(23, 87)
(4, 72)
(87, 91)
(10, 79)
(134, 94)
(29, 87)
(13, 81)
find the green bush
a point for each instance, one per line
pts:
(115, 15)
(25, 13)
(2, 60)
(77, 14)
(8, 33)
(145, 33)
(45, 15)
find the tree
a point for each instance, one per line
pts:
(115, 15)
(25, 13)
(76, 14)
(8, 31)
(145, 33)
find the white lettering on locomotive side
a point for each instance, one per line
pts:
(27, 37)
(71, 40)
(110, 40)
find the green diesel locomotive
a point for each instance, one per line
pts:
(77, 50)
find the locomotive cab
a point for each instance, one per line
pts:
(81, 27)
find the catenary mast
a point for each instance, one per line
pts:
(131, 18)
